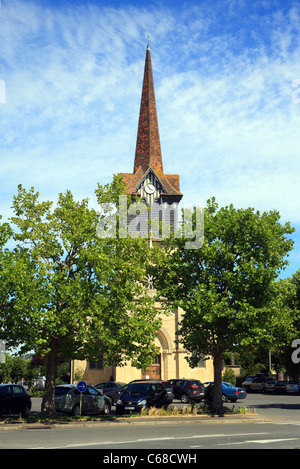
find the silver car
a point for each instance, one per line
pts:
(270, 386)
(258, 384)
(293, 386)
(67, 399)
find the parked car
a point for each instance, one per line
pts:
(293, 386)
(280, 386)
(141, 394)
(167, 384)
(121, 390)
(258, 384)
(248, 381)
(229, 391)
(187, 390)
(269, 386)
(67, 399)
(14, 400)
(110, 389)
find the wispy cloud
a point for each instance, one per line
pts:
(223, 77)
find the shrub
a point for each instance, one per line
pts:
(229, 376)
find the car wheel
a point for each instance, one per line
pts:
(224, 398)
(76, 410)
(233, 400)
(185, 399)
(106, 408)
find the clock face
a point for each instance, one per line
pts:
(150, 188)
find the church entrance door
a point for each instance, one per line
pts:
(154, 370)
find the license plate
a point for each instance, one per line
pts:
(129, 408)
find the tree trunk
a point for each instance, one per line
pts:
(48, 404)
(217, 402)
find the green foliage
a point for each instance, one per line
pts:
(229, 376)
(67, 291)
(286, 327)
(13, 370)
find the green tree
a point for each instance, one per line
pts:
(14, 369)
(68, 291)
(229, 376)
(287, 325)
(225, 287)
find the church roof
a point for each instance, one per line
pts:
(148, 149)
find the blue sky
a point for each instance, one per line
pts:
(227, 81)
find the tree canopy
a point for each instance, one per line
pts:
(68, 290)
(225, 287)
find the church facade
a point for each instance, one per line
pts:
(149, 183)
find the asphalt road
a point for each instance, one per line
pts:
(277, 426)
(141, 440)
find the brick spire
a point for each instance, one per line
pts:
(148, 166)
(148, 151)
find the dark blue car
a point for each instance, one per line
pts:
(14, 400)
(229, 391)
(142, 394)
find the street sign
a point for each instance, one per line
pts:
(81, 386)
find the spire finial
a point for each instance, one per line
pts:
(148, 40)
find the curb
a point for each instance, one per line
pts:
(167, 420)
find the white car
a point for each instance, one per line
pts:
(247, 383)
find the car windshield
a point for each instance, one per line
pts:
(61, 391)
(229, 385)
(139, 388)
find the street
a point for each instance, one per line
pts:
(277, 426)
(175, 437)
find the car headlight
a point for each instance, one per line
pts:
(142, 402)
(119, 402)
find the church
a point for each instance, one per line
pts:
(149, 183)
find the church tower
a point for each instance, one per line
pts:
(152, 186)
(148, 182)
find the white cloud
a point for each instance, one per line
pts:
(223, 78)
